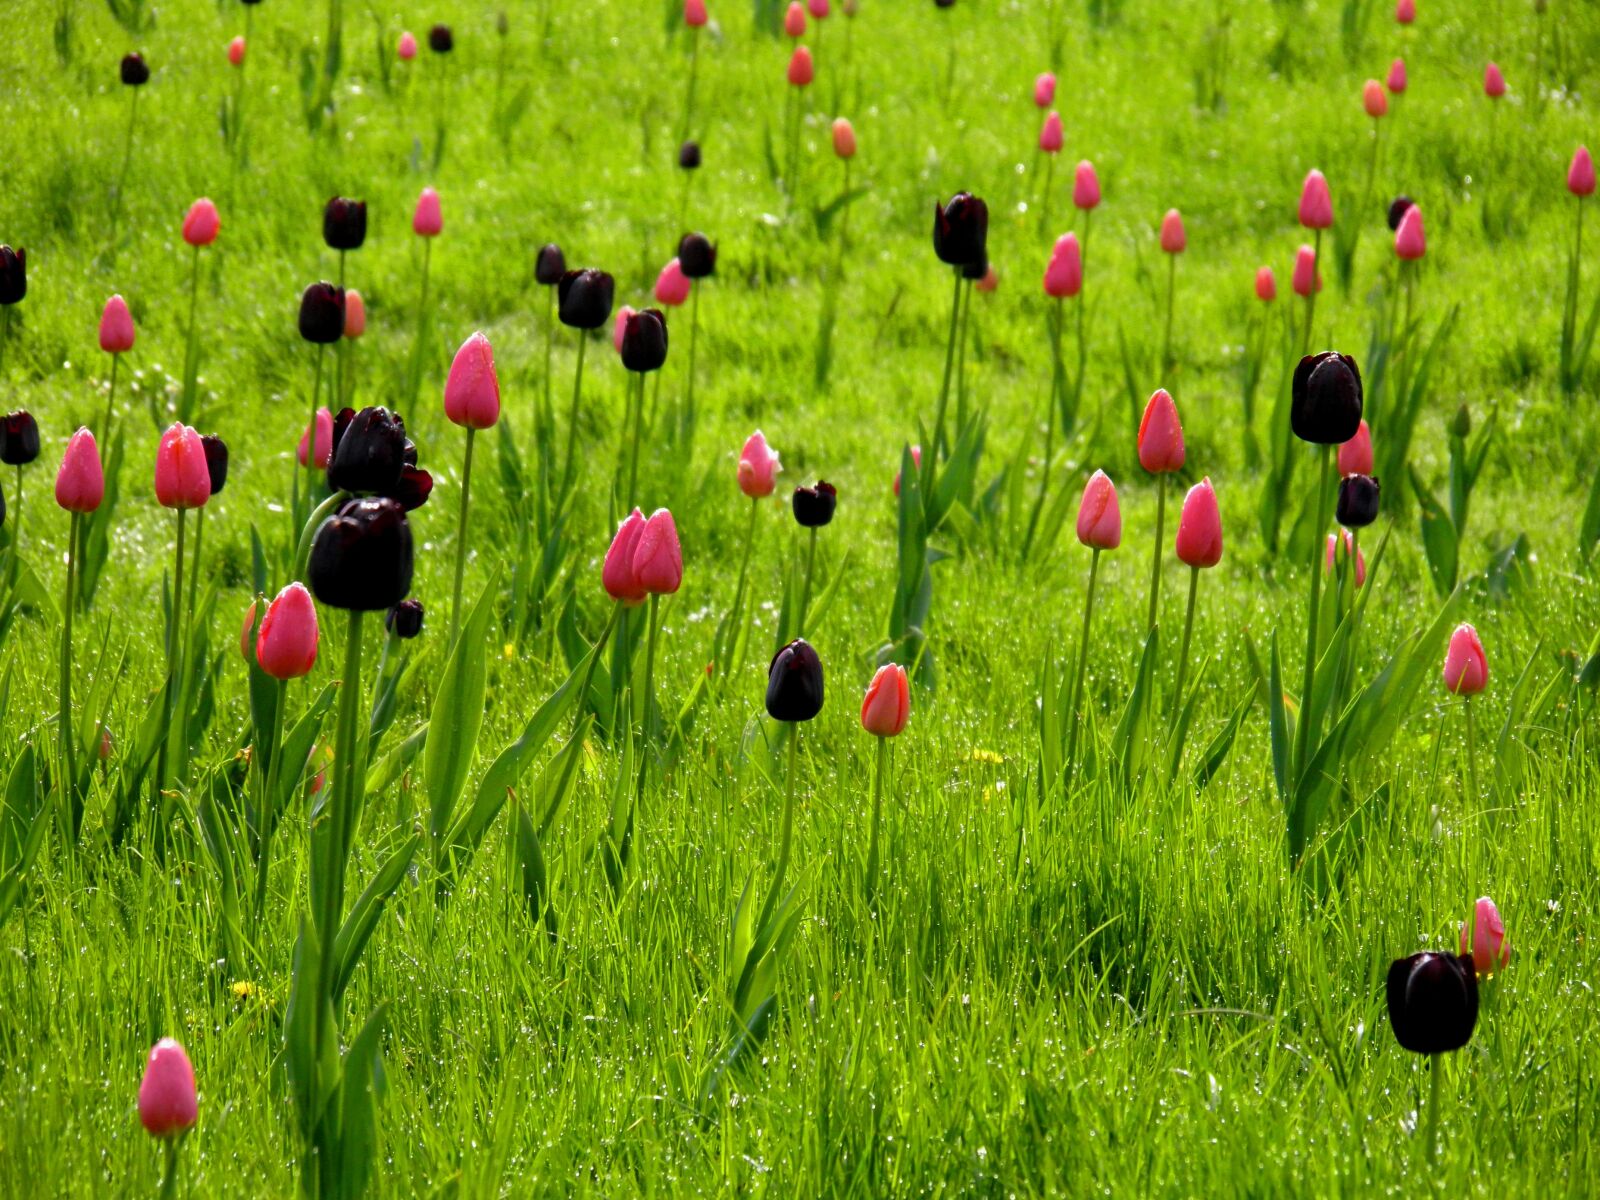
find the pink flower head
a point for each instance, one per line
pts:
(1306, 278)
(407, 49)
(1099, 516)
(1316, 205)
(1410, 243)
(236, 52)
(621, 583)
(1044, 90)
(887, 704)
(1580, 175)
(1199, 541)
(694, 13)
(758, 464)
(619, 327)
(472, 391)
(286, 645)
(844, 138)
(1405, 11)
(116, 327)
(183, 480)
(1161, 435)
(168, 1104)
(794, 20)
(990, 280)
(801, 69)
(1396, 82)
(1374, 99)
(201, 223)
(247, 632)
(324, 447)
(1485, 938)
(817, 8)
(428, 220)
(80, 484)
(657, 559)
(1466, 668)
(1050, 136)
(1086, 187)
(1349, 544)
(1173, 239)
(1063, 275)
(1266, 285)
(1355, 456)
(672, 285)
(355, 314)
(1494, 83)
(916, 459)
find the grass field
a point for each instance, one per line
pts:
(1118, 982)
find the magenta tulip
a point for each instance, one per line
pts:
(1086, 187)
(1410, 243)
(182, 479)
(286, 645)
(116, 327)
(1044, 90)
(1099, 516)
(617, 574)
(324, 445)
(1494, 83)
(694, 13)
(428, 219)
(1466, 668)
(80, 483)
(201, 223)
(407, 47)
(1485, 939)
(1355, 456)
(1050, 135)
(472, 391)
(657, 558)
(1063, 275)
(1161, 435)
(1199, 542)
(672, 285)
(1316, 204)
(1580, 175)
(1396, 81)
(1266, 285)
(168, 1103)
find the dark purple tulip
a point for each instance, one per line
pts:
(689, 156)
(975, 270)
(13, 275)
(1358, 501)
(322, 314)
(1325, 404)
(369, 453)
(813, 506)
(134, 71)
(794, 683)
(216, 461)
(344, 223)
(361, 557)
(1433, 1002)
(550, 266)
(19, 439)
(697, 256)
(644, 341)
(585, 298)
(404, 620)
(961, 230)
(441, 40)
(1397, 211)
(412, 489)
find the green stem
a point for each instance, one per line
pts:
(461, 540)
(1303, 731)
(341, 817)
(961, 360)
(1049, 185)
(944, 389)
(1472, 753)
(1311, 295)
(572, 420)
(805, 589)
(1051, 407)
(1435, 1065)
(877, 818)
(1183, 648)
(308, 531)
(194, 564)
(694, 71)
(645, 705)
(64, 721)
(1073, 719)
(1155, 562)
(111, 396)
(785, 837)
(267, 780)
(638, 435)
(191, 362)
(169, 1179)
(1172, 287)
(127, 162)
(16, 528)
(686, 417)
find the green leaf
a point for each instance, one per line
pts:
(1589, 528)
(21, 813)
(1129, 738)
(363, 918)
(1438, 537)
(297, 746)
(396, 759)
(458, 715)
(1278, 722)
(1217, 752)
(359, 1091)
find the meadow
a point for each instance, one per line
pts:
(1130, 937)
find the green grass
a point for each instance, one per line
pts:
(1114, 988)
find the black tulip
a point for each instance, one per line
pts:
(13, 275)
(322, 314)
(368, 456)
(697, 256)
(412, 489)
(644, 341)
(409, 455)
(975, 270)
(689, 156)
(1358, 501)
(361, 557)
(341, 422)
(1433, 1002)
(441, 40)
(344, 223)
(2, 507)
(251, 1)
(813, 506)
(19, 439)
(551, 265)
(944, 3)
(404, 620)
(961, 230)
(134, 71)
(585, 298)
(794, 683)
(216, 461)
(1397, 211)
(1325, 407)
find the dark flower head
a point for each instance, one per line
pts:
(368, 453)
(1358, 501)
(550, 266)
(689, 156)
(13, 274)
(344, 223)
(404, 620)
(134, 71)
(975, 270)
(19, 439)
(813, 506)
(1325, 407)
(361, 557)
(322, 314)
(2, 508)
(794, 683)
(1397, 211)
(585, 298)
(441, 40)
(216, 461)
(1433, 1002)
(697, 256)
(341, 422)
(644, 340)
(409, 456)
(944, 3)
(1461, 426)
(961, 230)
(412, 489)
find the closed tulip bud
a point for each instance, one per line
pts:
(1396, 82)
(1050, 135)
(694, 13)
(472, 390)
(441, 40)
(369, 453)
(323, 449)
(404, 620)
(1044, 90)
(1086, 187)
(168, 1102)
(550, 266)
(658, 558)
(817, 8)
(1466, 667)
(1173, 238)
(13, 275)
(1266, 285)
(361, 557)
(322, 314)
(134, 71)
(1398, 207)
(412, 489)
(104, 746)
(1461, 425)
(1348, 546)
(672, 285)
(201, 223)
(1355, 456)
(1494, 83)
(1326, 398)
(916, 459)
(1161, 435)
(216, 451)
(689, 156)
(1410, 243)
(844, 138)
(584, 300)
(1306, 278)
(236, 52)
(406, 49)
(644, 341)
(355, 314)
(1199, 541)
(794, 683)
(697, 256)
(80, 484)
(1405, 11)
(1063, 275)
(1484, 940)
(961, 230)
(1358, 501)
(1374, 99)
(286, 645)
(116, 327)
(758, 467)
(1433, 1002)
(1316, 204)
(801, 69)
(183, 480)
(1099, 515)
(19, 439)
(887, 704)
(1580, 175)
(617, 574)
(794, 20)
(344, 223)
(428, 219)
(814, 506)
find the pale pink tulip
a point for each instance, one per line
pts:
(1063, 275)
(758, 465)
(1410, 243)
(1316, 205)
(355, 314)
(1050, 136)
(1086, 187)
(844, 138)
(1466, 667)
(672, 285)
(407, 49)
(1485, 939)
(472, 390)
(1099, 515)
(168, 1103)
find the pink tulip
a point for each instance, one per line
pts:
(617, 575)
(247, 632)
(1355, 456)
(286, 646)
(916, 458)
(236, 52)
(1099, 516)
(1306, 278)
(1063, 275)
(355, 314)
(1409, 241)
(80, 484)
(1485, 938)
(1044, 90)
(116, 327)
(1494, 83)
(1266, 285)
(1405, 11)
(817, 8)
(182, 478)
(1374, 99)
(472, 390)
(801, 70)
(619, 327)
(1086, 187)
(794, 21)
(1466, 668)
(1050, 136)
(887, 704)
(1199, 542)
(758, 464)
(324, 447)
(1173, 239)
(201, 223)
(1580, 175)
(1397, 76)
(672, 285)
(694, 13)
(657, 559)
(1316, 205)
(168, 1105)
(1161, 435)
(844, 138)
(990, 280)
(1349, 544)
(407, 49)
(428, 220)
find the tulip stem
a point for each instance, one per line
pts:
(5, 332)
(1183, 646)
(633, 451)
(174, 657)
(1472, 752)
(1303, 730)
(1049, 185)
(127, 162)
(309, 530)
(191, 353)
(572, 420)
(267, 780)
(647, 705)
(68, 787)
(1167, 362)
(169, 1178)
(1073, 719)
(194, 565)
(16, 527)
(1050, 430)
(342, 814)
(694, 71)
(686, 417)
(805, 589)
(735, 616)
(944, 389)
(961, 360)
(1311, 293)
(785, 836)
(877, 818)
(1155, 563)
(461, 540)
(1435, 1065)
(111, 395)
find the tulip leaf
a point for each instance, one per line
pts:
(396, 759)
(1589, 529)
(457, 716)
(1129, 738)
(1438, 537)
(298, 744)
(22, 813)
(359, 1089)
(534, 875)
(1278, 721)
(1217, 752)
(357, 929)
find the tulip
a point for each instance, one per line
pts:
(344, 225)
(1086, 188)
(550, 265)
(794, 20)
(1266, 285)
(844, 138)
(404, 620)
(1494, 83)
(1050, 135)
(1044, 90)
(1405, 11)
(584, 302)
(407, 47)
(1485, 939)
(1063, 275)
(200, 227)
(133, 70)
(1173, 238)
(689, 156)
(801, 69)
(642, 343)
(1433, 1009)
(369, 452)
(697, 257)
(286, 645)
(1161, 452)
(1199, 545)
(428, 218)
(672, 285)
(1316, 205)
(1063, 278)
(758, 464)
(1398, 207)
(620, 326)
(471, 400)
(618, 575)
(320, 454)
(1374, 99)
(884, 711)
(1357, 506)
(916, 459)
(1173, 241)
(814, 506)
(1351, 550)
(960, 239)
(116, 339)
(1396, 81)
(657, 557)
(168, 1105)
(201, 223)
(1099, 528)
(441, 40)
(362, 556)
(355, 314)
(182, 478)
(236, 52)
(817, 8)
(1580, 182)
(13, 277)
(1306, 281)
(1580, 175)
(1355, 455)
(1466, 669)
(990, 280)
(694, 13)
(80, 486)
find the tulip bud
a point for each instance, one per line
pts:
(844, 138)
(368, 452)
(794, 683)
(657, 558)
(617, 574)
(585, 298)
(134, 71)
(672, 285)
(1199, 541)
(322, 313)
(286, 645)
(19, 439)
(1306, 278)
(1374, 99)
(1348, 543)
(1050, 135)
(1044, 90)
(116, 327)
(550, 266)
(1326, 397)
(1410, 243)
(1466, 667)
(1358, 501)
(1396, 81)
(1266, 285)
(961, 230)
(1086, 187)
(361, 557)
(1580, 175)
(428, 218)
(644, 341)
(794, 20)
(323, 450)
(80, 483)
(694, 13)
(407, 47)
(216, 451)
(344, 223)
(1494, 83)
(355, 314)
(1173, 238)
(404, 620)
(1461, 425)
(817, 8)
(1433, 1002)
(201, 223)
(1063, 275)
(182, 478)
(697, 256)
(1398, 207)
(916, 460)
(689, 156)
(13, 275)
(1405, 11)
(801, 69)
(887, 704)
(472, 390)
(1355, 456)
(168, 1104)
(758, 464)
(1099, 515)
(441, 40)
(1316, 205)
(1161, 435)
(1485, 939)
(813, 506)
(236, 50)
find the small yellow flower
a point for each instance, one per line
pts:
(987, 756)
(243, 989)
